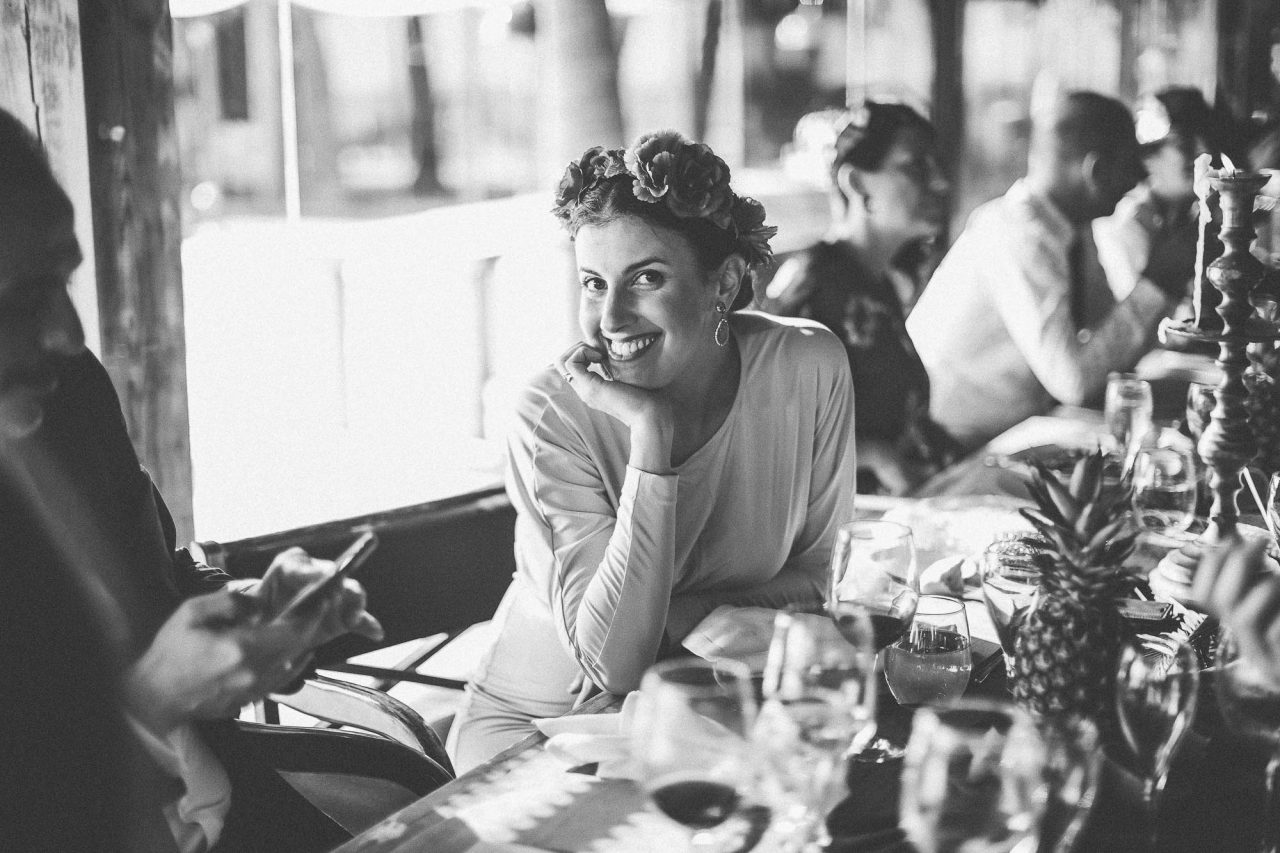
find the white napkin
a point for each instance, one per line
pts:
(737, 633)
(943, 577)
(602, 739)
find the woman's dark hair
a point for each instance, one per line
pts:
(870, 132)
(612, 198)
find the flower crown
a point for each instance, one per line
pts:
(686, 176)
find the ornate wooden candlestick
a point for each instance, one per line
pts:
(1228, 442)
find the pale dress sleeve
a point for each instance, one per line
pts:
(1027, 286)
(611, 568)
(802, 578)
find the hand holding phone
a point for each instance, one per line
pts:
(346, 563)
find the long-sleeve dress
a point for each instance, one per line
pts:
(613, 562)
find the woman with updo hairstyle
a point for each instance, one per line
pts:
(889, 208)
(685, 454)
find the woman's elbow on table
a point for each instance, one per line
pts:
(618, 678)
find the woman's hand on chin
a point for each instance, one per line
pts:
(646, 413)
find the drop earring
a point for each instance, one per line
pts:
(722, 328)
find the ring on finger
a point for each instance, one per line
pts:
(568, 377)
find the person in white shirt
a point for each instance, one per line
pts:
(1026, 310)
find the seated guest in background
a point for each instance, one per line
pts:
(106, 669)
(685, 454)
(1176, 128)
(1020, 313)
(889, 205)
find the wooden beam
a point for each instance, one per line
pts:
(136, 185)
(41, 83)
(946, 18)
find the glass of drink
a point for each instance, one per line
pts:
(1201, 398)
(930, 665)
(1164, 489)
(1128, 411)
(690, 741)
(1073, 765)
(874, 579)
(1249, 697)
(873, 572)
(819, 706)
(1010, 580)
(973, 779)
(1155, 702)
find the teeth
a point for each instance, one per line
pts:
(630, 348)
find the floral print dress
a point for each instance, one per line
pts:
(828, 283)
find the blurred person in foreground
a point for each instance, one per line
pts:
(118, 687)
(889, 207)
(1239, 584)
(685, 454)
(1021, 314)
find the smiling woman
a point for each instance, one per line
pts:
(682, 455)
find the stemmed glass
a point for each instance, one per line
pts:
(819, 705)
(1073, 764)
(931, 664)
(1010, 580)
(973, 779)
(873, 572)
(690, 741)
(1201, 398)
(1128, 410)
(1249, 697)
(1164, 489)
(874, 576)
(1156, 702)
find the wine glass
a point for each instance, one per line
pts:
(874, 576)
(689, 737)
(931, 663)
(1164, 489)
(819, 705)
(1073, 765)
(1201, 398)
(1249, 698)
(873, 571)
(1010, 581)
(973, 779)
(1128, 409)
(1156, 702)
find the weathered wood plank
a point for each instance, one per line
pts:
(136, 184)
(41, 83)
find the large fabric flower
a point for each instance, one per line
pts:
(699, 185)
(753, 234)
(595, 164)
(652, 160)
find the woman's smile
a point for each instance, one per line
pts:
(629, 349)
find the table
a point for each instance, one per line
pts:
(525, 800)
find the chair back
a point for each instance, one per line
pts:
(439, 566)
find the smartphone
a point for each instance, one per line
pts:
(1136, 610)
(346, 563)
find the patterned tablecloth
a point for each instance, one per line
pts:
(527, 799)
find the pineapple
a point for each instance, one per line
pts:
(1067, 647)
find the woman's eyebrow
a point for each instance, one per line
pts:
(654, 259)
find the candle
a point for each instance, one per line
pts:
(1200, 184)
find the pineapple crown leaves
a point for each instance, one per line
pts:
(1084, 519)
